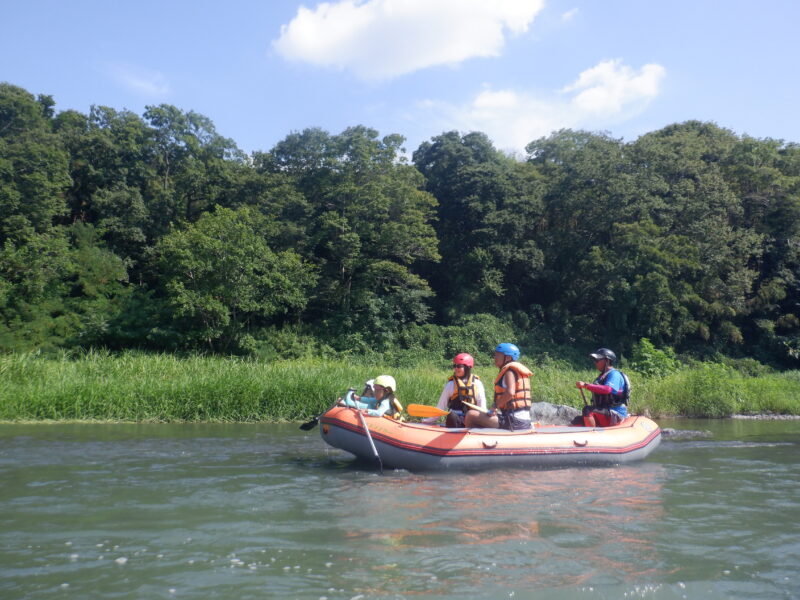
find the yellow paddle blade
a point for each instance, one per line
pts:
(423, 410)
(474, 407)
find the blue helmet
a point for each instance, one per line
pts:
(509, 350)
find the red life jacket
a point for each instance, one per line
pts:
(522, 396)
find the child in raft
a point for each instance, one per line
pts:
(383, 400)
(366, 401)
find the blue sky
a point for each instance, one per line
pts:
(514, 69)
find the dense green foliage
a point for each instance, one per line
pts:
(139, 387)
(155, 232)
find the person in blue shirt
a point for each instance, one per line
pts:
(609, 393)
(366, 401)
(378, 398)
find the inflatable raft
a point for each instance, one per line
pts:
(418, 447)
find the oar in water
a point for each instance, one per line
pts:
(313, 422)
(369, 437)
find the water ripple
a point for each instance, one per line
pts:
(269, 512)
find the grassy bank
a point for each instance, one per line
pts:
(147, 387)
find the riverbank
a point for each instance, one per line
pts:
(767, 417)
(139, 387)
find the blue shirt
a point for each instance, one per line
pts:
(616, 382)
(365, 402)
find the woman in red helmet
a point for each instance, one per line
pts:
(462, 386)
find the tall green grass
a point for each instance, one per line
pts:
(713, 390)
(163, 387)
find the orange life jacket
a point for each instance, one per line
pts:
(522, 396)
(462, 390)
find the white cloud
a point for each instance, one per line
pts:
(151, 84)
(609, 86)
(569, 15)
(381, 39)
(607, 93)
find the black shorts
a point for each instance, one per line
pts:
(455, 419)
(507, 420)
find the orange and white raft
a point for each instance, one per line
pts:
(418, 447)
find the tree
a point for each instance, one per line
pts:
(192, 162)
(61, 289)
(697, 201)
(224, 281)
(765, 175)
(33, 167)
(108, 149)
(368, 228)
(487, 220)
(34, 253)
(588, 185)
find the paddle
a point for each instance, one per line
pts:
(308, 425)
(475, 407)
(423, 410)
(369, 437)
(585, 403)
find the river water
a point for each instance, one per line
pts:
(269, 511)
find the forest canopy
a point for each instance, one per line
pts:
(156, 232)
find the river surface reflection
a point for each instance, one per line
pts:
(268, 511)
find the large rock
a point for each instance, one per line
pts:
(553, 414)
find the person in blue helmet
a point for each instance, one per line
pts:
(610, 393)
(512, 393)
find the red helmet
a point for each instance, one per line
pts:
(464, 359)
